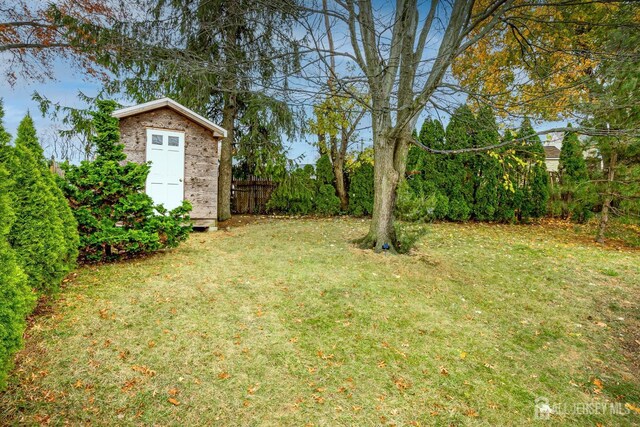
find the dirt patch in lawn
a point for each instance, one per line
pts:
(242, 220)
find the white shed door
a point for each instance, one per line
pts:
(165, 151)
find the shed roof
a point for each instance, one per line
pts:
(170, 103)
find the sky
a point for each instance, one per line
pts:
(64, 89)
(67, 83)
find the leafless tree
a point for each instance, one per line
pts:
(400, 56)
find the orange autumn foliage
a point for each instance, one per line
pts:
(538, 59)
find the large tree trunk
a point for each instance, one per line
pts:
(390, 157)
(381, 232)
(338, 155)
(229, 114)
(341, 189)
(606, 204)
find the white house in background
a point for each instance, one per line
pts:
(552, 146)
(551, 157)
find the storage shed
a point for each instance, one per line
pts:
(183, 148)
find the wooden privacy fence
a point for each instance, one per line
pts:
(250, 196)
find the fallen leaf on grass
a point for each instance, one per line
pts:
(173, 401)
(471, 413)
(224, 375)
(444, 370)
(143, 370)
(324, 356)
(401, 383)
(632, 407)
(129, 385)
(173, 392)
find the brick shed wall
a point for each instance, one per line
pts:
(200, 156)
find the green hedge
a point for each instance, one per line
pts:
(361, 189)
(16, 298)
(307, 190)
(294, 195)
(507, 184)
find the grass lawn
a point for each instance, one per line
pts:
(284, 322)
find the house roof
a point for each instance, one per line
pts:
(551, 152)
(179, 108)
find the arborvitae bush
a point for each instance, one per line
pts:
(508, 191)
(29, 138)
(115, 217)
(325, 201)
(505, 184)
(426, 177)
(16, 297)
(535, 193)
(324, 170)
(37, 235)
(361, 189)
(411, 206)
(488, 171)
(460, 169)
(574, 197)
(306, 191)
(486, 198)
(295, 194)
